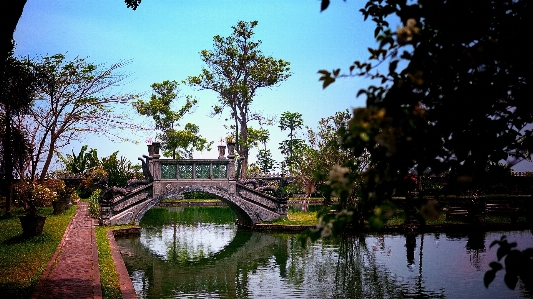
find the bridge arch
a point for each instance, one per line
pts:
(244, 215)
(166, 178)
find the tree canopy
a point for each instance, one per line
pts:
(291, 121)
(453, 92)
(72, 99)
(235, 69)
(176, 143)
(453, 96)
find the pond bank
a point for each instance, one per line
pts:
(185, 203)
(435, 228)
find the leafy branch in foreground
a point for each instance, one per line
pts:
(518, 264)
(459, 75)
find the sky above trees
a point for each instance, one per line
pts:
(163, 40)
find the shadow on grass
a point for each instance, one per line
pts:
(19, 239)
(16, 290)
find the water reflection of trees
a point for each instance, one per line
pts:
(358, 273)
(348, 268)
(271, 265)
(475, 245)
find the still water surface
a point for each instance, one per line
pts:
(200, 253)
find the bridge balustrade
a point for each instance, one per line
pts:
(194, 169)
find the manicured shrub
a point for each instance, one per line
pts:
(94, 205)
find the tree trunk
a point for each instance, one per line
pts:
(8, 159)
(49, 157)
(243, 148)
(10, 14)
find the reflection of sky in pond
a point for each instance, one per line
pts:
(450, 269)
(310, 274)
(450, 265)
(188, 242)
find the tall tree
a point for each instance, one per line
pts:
(460, 105)
(17, 90)
(291, 121)
(259, 138)
(72, 100)
(176, 143)
(324, 154)
(235, 70)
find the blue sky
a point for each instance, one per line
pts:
(163, 40)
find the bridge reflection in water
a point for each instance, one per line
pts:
(185, 258)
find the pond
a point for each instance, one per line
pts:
(198, 252)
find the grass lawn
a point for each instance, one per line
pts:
(169, 200)
(22, 261)
(310, 218)
(108, 274)
(298, 218)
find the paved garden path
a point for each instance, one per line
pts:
(73, 270)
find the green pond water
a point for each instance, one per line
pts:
(198, 252)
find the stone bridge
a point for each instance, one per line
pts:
(253, 200)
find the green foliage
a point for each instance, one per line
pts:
(17, 86)
(94, 204)
(292, 122)
(108, 274)
(93, 177)
(81, 162)
(74, 99)
(452, 95)
(33, 195)
(324, 156)
(159, 106)
(457, 89)
(265, 161)
(235, 70)
(133, 4)
(120, 170)
(59, 188)
(181, 144)
(253, 170)
(257, 137)
(176, 143)
(17, 90)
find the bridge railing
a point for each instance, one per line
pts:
(193, 169)
(222, 168)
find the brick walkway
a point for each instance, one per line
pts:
(73, 270)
